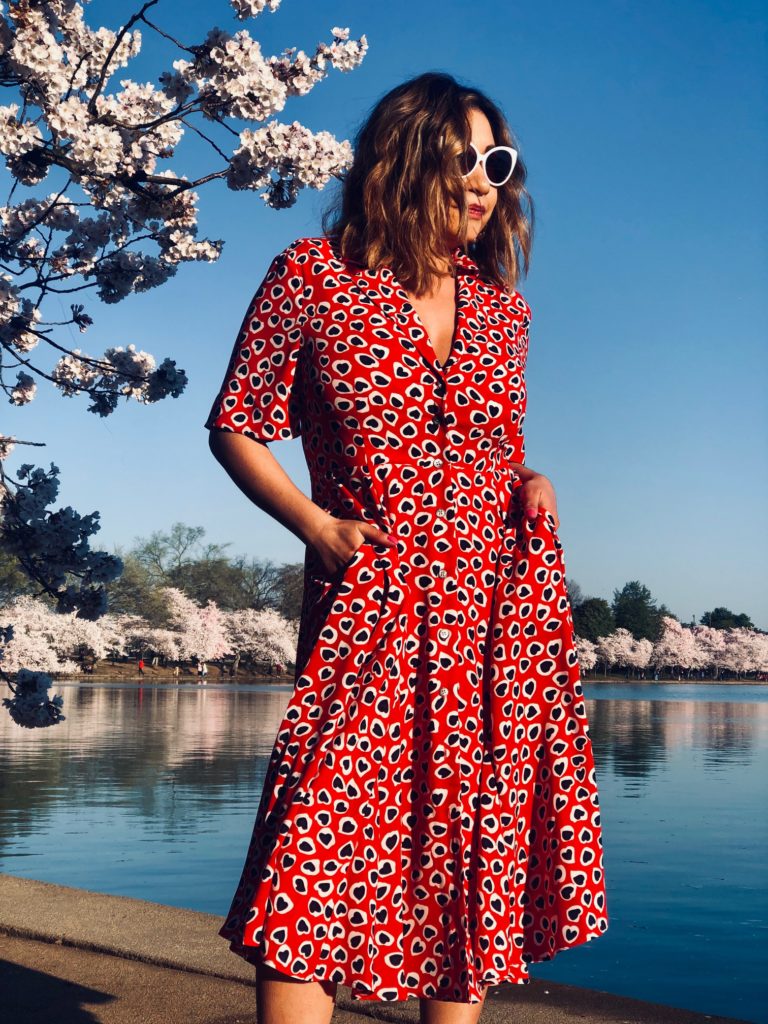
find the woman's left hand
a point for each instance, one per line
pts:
(537, 490)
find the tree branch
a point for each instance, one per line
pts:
(118, 39)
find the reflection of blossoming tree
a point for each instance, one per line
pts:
(115, 218)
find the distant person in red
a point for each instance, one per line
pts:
(141, 666)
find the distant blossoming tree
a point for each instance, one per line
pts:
(711, 642)
(264, 635)
(42, 642)
(201, 631)
(110, 216)
(744, 651)
(585, 651)
(615, 648)
(681, 649)
(676, 647)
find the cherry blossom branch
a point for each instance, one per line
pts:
(113, 49)
(165, 35)
(125, 219)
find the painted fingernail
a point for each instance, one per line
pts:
(531, 512)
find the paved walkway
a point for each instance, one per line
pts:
(71, 956)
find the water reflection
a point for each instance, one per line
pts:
(151, 791)
(639, 735)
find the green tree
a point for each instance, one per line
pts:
(180, 558)
(165, 555)
(13, 580)
(593, 618)
(135, 592)
(664, 611)
(724, 618)
(290, 589)
(210, 579)
(262, 582)
(575, 593)
(635, 609)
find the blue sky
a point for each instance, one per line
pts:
(647, 153)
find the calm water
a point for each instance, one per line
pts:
(152, 792)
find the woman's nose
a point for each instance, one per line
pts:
(478, 182)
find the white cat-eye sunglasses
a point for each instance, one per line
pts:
(497, 162)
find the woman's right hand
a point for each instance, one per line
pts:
(337, 540)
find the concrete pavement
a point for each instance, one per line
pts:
(71, 956)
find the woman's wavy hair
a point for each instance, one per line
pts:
(393, 206)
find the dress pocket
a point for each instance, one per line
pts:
(327, 583)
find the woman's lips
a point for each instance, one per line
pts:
(476, 211)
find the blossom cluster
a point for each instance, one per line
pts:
(121, 372)
(300, 157)
(110, 213)
(30, 706)
(106, 148)
(250, 8)
(53, 546)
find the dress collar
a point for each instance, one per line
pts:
(463, 260)
(383, 288)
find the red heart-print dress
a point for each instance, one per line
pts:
(429, 823)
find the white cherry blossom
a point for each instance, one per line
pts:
(252, 8)
(112, 213)
(111, 143)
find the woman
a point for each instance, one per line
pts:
(429, 823)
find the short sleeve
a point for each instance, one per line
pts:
(261, 392)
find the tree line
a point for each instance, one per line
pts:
(181, 601)
(182, 559)
(635, 610)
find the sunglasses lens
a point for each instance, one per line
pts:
(467, 161)
(499, 166)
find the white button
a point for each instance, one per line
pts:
(443, 689)
(441, 573)
(443, 633)
(437, 462)
(441, 513)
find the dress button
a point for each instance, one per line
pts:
(441, 573)
(443, 633)
(440, 513)
(437, 462)
(443, 689)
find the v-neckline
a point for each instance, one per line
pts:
(461, 299)
(383, 287)
(417, 317)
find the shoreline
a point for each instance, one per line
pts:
(138, 960)
(166, 679)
